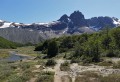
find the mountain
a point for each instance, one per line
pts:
(66, 25)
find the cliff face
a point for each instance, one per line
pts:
(20, 35)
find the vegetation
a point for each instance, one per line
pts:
(65, 66)
(89, 76)
(50, 62)
(110, 78)
(117, 65)
(66, 78)
(82, 49)
(45, 77)
(105, 63)
(87, 47)
(5, 44)
(52, 49)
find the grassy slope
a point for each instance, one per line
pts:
(5, 44)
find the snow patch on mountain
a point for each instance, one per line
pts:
(116, 22)
(5, 25)
(1, 20)
(65, 30)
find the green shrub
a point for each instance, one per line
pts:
(50, 62)
(46, 73)
(75, 60)
(110, 53)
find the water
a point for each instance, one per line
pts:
(15, 57)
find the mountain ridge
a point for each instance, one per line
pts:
(66, 25)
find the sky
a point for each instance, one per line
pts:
(30, 11)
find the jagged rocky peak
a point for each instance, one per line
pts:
(101, 22)
(78, 19)
(77, 15)
(64, 18)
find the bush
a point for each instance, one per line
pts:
(75, 60)
(110, 53)
(50, 62)
(52, 49)
(65, 66)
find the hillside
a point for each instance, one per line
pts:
(5, 44)
(85, 47)
(87, 58)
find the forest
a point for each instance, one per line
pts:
(84, 47)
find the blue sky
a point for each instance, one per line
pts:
(29, 11)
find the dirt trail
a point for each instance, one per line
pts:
(32, 80)
(58, 73)
(75, 69)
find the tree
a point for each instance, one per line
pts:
(52, 49)
(106, 38)
(79, 50)
(116, 35)
(67, 42)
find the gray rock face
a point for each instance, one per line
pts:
(20, 35)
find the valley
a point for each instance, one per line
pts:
(78, 58)
(35, 69)
(59, 41)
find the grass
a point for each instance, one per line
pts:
(22, 71)
(45, 77)
(28, 50)
(66, 78)
(4, 53)
(116, 65)
(89, 74)
(110, 78)
(85, 79)
(105, 63)
(5, 70)
(25, 76)
(16, 71)
(65, 66)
